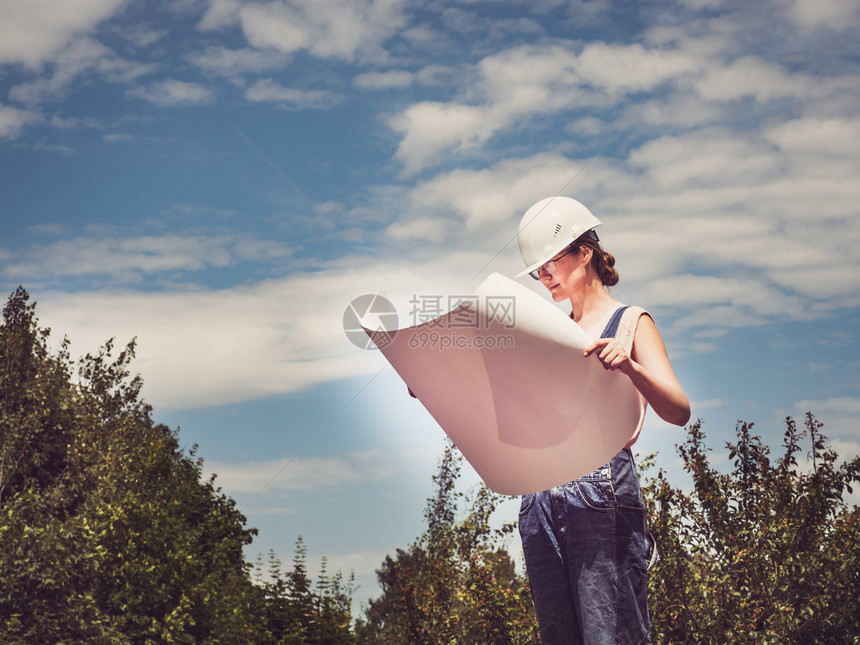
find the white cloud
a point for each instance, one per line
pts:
(174, 93)
(711, 241)
(269, 90)
(141, 35)
(275, 510)
(676, 82)
(118, 137)
(220, 14)
(384, 80)
(678, 110)
(704, 158)
(822, 138)
(529, 79)
(624, 69)
(33, 32)
(53, 147)
(509, 86)
(432, 229)
(701, 4)
(525, 82)
(847, 450)
(210, 347)
(363, 563)
(128, 259)
(488, 197)
(845, 406)
(275, 25)
(829, 14)
(343, 29)
(429, 128)
(47, 229)
(70, 123)
(752, 76)
(80, 57)
(221, 61)
(749, 227)
(298, 475)
(839, 416)
(13, 120)
(744, 218)
(202, 348)
(709, 404)
(693, 292)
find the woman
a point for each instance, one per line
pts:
(586, 543)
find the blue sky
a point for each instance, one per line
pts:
(220, 178)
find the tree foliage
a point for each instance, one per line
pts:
(109, 533)
(455, 584)
(298, 612)
(767, 553)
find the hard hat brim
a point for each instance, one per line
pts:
(546, 259)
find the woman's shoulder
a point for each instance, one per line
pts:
(632, 313)
(628, 324)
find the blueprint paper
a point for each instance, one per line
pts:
(504, 376)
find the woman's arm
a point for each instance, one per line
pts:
(649, 369)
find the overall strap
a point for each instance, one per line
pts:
(612, 326)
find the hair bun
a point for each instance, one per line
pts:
(605, 268)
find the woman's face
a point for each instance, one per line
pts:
(568, 276)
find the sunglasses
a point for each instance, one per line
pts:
(550, 266)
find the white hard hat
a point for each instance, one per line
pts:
(549, 227)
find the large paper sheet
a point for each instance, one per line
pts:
(504, 376)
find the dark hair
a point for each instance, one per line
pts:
(602, 262)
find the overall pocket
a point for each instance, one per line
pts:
(596, 494)
(526, 504)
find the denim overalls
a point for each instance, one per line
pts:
(587, 547)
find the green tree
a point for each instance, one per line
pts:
(766, 553)
(35, 390)
(108, 531)
(301, 613)
(455, 584)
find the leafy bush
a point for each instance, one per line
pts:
(109, 533)
(767, 553)
(456, 583)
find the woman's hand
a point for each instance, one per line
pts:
(611, 354)
(649, 370)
